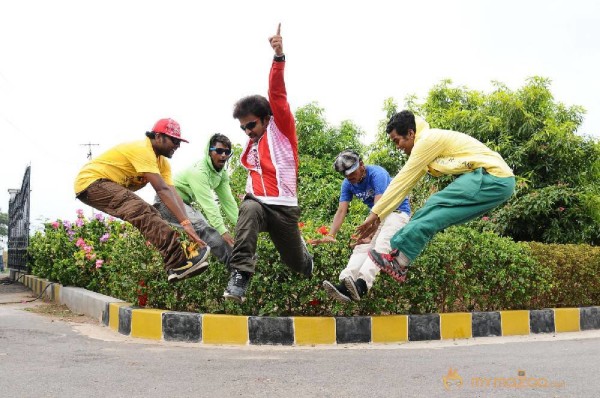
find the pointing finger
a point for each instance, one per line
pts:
(278, 29)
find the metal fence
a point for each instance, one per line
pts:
(18, 225)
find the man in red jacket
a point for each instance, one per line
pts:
(271, 201)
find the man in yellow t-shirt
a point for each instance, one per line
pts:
(484, 181)
(108, 182)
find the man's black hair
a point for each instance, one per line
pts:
(220, 138)
(254, 104)
(402, 122)
(151, 134)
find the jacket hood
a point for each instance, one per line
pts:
(208, 160)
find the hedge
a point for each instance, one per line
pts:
(460, 270)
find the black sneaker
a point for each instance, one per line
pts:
(388, 263)
(191, 267)
(339, 292)
(356, 288)
(237, 286)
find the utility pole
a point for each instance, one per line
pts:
(89, 145)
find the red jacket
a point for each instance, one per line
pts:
(273, 174)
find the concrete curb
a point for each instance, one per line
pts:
(254, 330)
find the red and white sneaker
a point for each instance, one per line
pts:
(388, 263)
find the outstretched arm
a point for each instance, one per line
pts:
(338, 220)
(171, 199)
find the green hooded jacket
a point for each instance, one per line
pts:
(197, 184)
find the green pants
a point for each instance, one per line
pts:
(469, 196)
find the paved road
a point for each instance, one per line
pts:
(43, 356)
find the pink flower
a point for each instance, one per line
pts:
(55, 225)
(80, 242)
(79, 213)
(111, 219)
(99, 263)
(79, 222)
(90, 256)
(485, 218)
(99, 216)
(67, 224)
(561, 209)
(104, 237)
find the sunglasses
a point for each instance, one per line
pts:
(249, 125)
(175, 141)
(221, 151)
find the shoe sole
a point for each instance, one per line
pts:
(351, 286)
(391, 271)
(334, 293)
(235, 298)
(205, 257)
(195, 270)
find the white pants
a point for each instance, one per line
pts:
(360, 265)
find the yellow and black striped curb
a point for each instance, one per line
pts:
(255, 330)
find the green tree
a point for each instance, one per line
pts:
(3, 224)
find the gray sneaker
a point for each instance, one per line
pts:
(356, 288)
(339, 292)
(237, 286)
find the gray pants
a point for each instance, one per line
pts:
(218, 247)
(281, 222)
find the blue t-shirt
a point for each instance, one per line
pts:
(375, 183)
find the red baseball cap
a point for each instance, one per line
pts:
(168, 127)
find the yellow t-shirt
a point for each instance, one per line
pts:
(124, 164)
(439, 152)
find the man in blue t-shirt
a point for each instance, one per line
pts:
(366, 183)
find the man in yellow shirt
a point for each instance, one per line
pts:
(484, 181)
(108, 182)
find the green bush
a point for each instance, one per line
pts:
(461, 270)
(574, 274)
(465, 270)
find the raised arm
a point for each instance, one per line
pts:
(284, 119)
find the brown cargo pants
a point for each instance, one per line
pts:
(120, 202)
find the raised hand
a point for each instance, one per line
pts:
(276, 41)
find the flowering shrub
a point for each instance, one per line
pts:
(461, 269)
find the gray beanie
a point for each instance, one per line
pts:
(346, 162)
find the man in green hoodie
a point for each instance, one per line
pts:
(196, 185)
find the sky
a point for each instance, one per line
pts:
(74, 72)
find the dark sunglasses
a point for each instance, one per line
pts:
(221, 151)
(249, 125)
(175, 141)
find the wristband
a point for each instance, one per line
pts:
(279, 58)
(185, 222)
